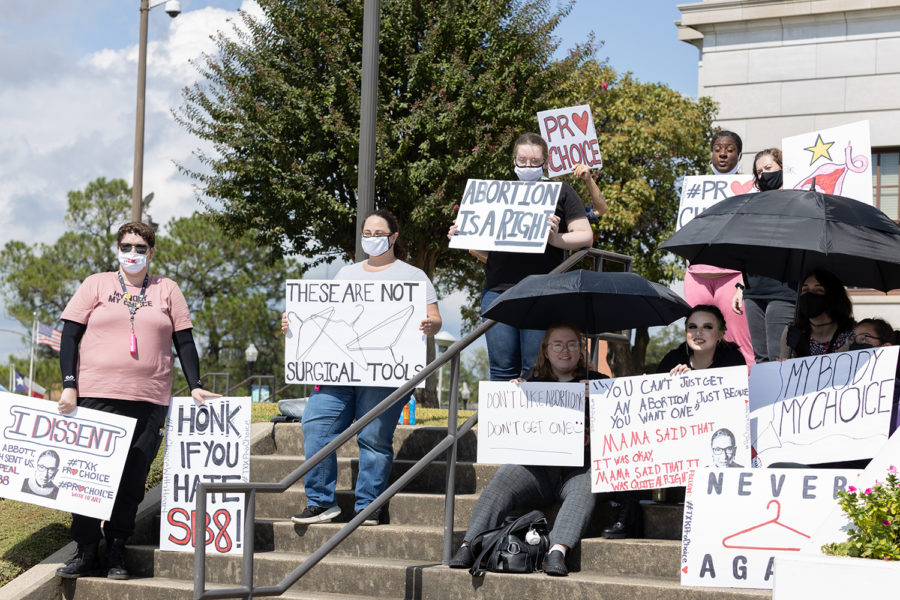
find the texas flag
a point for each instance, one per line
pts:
(21, 385)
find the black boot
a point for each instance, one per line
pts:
(85, 562)
(626, 523)
(115, 558)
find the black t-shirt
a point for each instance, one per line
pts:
(505, 269)
(727, 355)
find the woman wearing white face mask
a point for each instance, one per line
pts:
(511, 351)
(116, 356)
(333, 408)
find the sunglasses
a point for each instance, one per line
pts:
(139, 248)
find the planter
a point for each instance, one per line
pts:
(838, 577)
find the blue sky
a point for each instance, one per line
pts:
(67, 96)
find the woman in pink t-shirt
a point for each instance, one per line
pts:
(116, 356)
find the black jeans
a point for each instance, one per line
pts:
(148, 434)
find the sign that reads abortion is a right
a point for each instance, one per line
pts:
(511, 216)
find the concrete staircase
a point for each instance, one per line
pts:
(402, 559)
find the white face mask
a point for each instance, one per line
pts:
(132, 262)
(529, 173)
(376, 246)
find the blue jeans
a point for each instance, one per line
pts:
(511, 351)
(330, 411)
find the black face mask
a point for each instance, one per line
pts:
(812, 305)
(770, 180)
(860, 346)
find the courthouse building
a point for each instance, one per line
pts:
(779, 68)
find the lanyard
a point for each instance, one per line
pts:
(133, 304)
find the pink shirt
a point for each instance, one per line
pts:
(106, 368)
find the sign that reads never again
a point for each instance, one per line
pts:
(650, 431)
(208, 443)
(69, 462)
(511, 216)
(354, 332)
(531, 423)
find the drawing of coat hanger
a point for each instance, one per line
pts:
(378, 336)
(318, 325)
(773, 521)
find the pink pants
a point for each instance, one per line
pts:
(719, 291)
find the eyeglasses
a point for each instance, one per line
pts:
(529, 162)
(864, 338)
(376, 234)
(559, 346)
(139, 248)
(724, 450)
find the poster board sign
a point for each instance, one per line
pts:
(531, 423)
(824, 408)
(839, 158)
(510, 216)
(208, 443)
(736, 521)
(571, 139)
(68, 462)
(650, 431)
(699, 192)
(354, 332)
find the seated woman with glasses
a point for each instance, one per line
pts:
(875, 333)
(513, 351)
(519, 487)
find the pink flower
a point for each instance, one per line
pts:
(892, 469)
(885, 522)
(475, 149)
(456, 207)
(604, 85)
(851, 488)
(868, 491)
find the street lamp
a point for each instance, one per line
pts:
(251, 354)
(173, 9)
(444, 340)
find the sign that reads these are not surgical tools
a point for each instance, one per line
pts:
(509, 216)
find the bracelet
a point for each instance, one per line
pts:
(739, 286)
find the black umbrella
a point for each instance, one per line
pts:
(784, 234)
(594, 302)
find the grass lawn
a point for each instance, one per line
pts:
(30, 533)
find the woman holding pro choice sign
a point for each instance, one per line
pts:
(333, 408)
(512, 351)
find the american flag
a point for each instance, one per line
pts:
(48, 336)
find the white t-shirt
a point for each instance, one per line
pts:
(398, 271)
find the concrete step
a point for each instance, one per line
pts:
(410, 442)
(163, 588)
(470, 477)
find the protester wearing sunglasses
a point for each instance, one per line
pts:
(116, 356)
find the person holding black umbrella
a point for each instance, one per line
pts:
(824, 323)
(514, 487)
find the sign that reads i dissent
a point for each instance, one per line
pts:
(354, 332)
(736, 521)
(699, 192)
(571, 139)
(68, 462)
(510, 216)
(208, 443)
(829, 407)
(531, 423)
(650, 431)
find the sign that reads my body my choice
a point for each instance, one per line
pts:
(650, 431)
(69, 462)
(354, 332)
(510, 216)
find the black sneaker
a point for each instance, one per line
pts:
(115, 559)
(86, 562)
(316, 514)
(463, 559)
(371, 521)
(555, 564)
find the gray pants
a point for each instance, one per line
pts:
(523, 487)
(767, 320)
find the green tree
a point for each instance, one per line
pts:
(650, 136)
(660, 343)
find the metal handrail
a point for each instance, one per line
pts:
(447, 444)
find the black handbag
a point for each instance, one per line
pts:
(505, 549)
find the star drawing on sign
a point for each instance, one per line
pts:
(819, 149)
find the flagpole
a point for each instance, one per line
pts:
(31, 362)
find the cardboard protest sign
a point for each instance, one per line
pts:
(531, 423)
(838, 158)
(571, 139)
(699, 192)
(69, 462)
(348, 332)
(208, 443)
(650, 431)
(736, 521)
(505, 215)
(829, 407)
